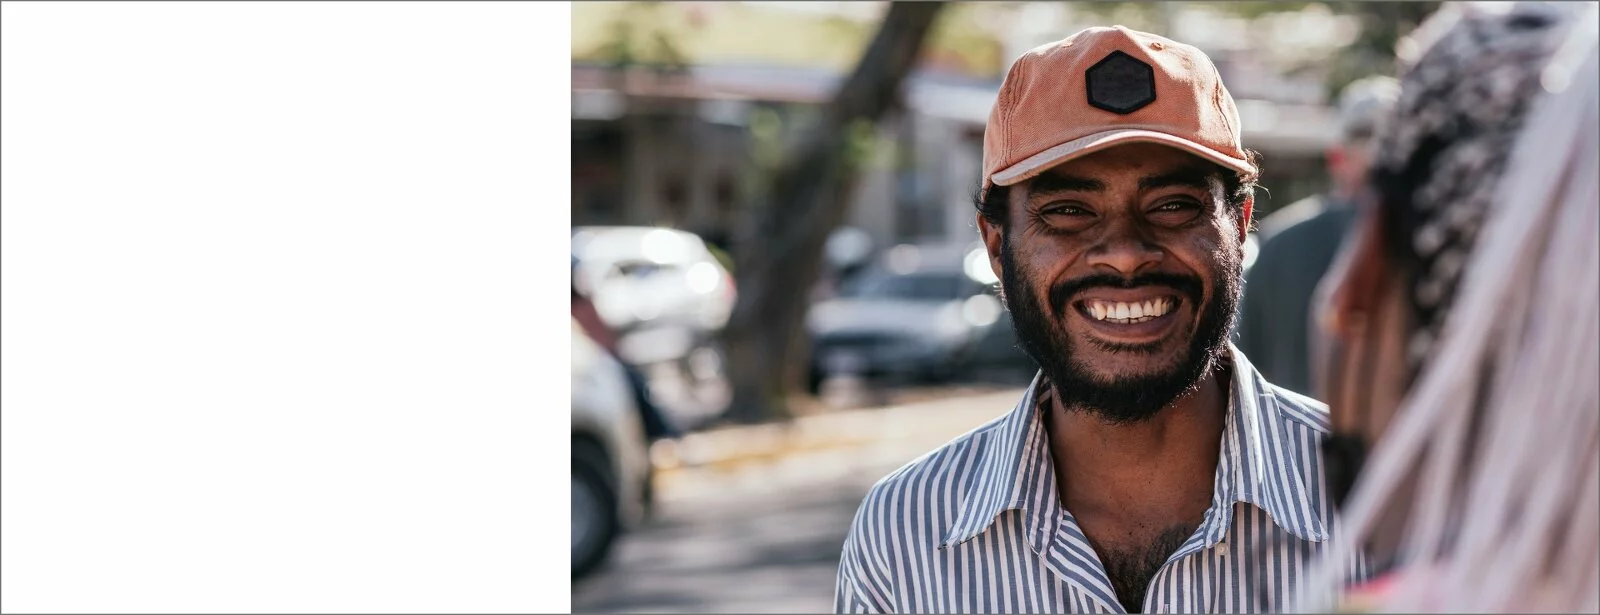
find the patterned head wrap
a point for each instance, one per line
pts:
(1443, 147)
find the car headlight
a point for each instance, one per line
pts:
(980, 310)
(951, 325)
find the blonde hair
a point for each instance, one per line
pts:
(1506, 514)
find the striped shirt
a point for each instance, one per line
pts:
(977, 526)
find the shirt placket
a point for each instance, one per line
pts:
(1199, 544)
(1070, 558)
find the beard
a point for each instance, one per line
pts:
(1122, 399)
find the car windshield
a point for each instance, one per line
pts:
(911, 286)
(639, 269)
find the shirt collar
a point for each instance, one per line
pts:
(1258, 465)
(1013, 473)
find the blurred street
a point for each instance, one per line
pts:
(690, 404)
(763, 536)
(692, 123)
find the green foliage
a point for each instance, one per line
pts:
(638, 35)
(1255, 8)
(861, 143)
(766, 137)
(1137, 15)
(957, 41)
(1382, 25)
(673, 33)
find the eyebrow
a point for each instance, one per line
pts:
(1047, 184)
(1188, 177)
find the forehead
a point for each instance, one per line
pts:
(1131, 160)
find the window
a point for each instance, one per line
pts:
(911, 287)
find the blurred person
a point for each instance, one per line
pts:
(1465, 316)
(656, 424)
(1148, 467)
(1298, 243)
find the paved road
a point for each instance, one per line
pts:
(762, 538)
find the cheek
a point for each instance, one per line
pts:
(1226, 244)
(1216, 260)
(1211, 252)
(1364, 383)
(1038, 258)
(1386, 371)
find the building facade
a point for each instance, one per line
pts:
(688, 147)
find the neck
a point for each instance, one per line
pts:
(1097, 460)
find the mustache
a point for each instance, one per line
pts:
(1063, 291)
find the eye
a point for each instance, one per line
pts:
(1065, 216)
(1063, 209)
(1176, 211)
(1177, 205)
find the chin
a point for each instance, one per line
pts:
(1122, 369)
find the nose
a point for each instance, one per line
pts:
(1124, 252)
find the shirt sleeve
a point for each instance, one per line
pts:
(862, 586)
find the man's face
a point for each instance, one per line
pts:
(1122, 273)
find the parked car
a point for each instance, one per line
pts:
(662, 290)
(611, 469)
(921, 314)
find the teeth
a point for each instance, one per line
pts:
(1130, 312)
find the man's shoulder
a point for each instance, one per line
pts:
(1292, 406)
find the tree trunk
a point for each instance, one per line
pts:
(806, 198)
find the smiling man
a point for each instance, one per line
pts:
(1149, 467)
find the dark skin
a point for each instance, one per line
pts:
(1362, 308)
(1136, 489)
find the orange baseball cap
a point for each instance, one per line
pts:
(1103, 87)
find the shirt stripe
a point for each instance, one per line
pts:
(976, 526)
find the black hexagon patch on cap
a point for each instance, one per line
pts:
(1121, 83)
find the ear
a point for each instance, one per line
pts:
(1244, 218)
(993, 243)
(1355, 281)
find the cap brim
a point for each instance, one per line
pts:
(1043, 161)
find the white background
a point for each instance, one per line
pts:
(281, 292)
